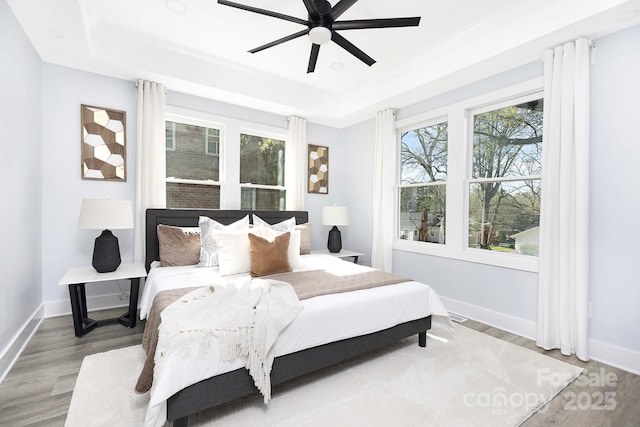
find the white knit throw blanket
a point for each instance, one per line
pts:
(246, 315)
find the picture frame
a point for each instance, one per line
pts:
(103, 143)
(318, 176)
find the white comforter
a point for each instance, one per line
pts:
(322, 320)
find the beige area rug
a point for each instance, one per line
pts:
(463, 378)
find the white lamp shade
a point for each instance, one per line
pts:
(106, 214)
(335, 215)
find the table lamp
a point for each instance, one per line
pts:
(335, 215)
(106, 215)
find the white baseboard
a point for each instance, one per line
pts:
(515, 325)
(613, 355)
(600, 351)
(19, 341)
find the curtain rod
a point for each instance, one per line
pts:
(165, 88)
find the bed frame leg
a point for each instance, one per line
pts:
(422, 339)
(181, 422)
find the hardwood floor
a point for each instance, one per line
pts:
(38, 389)
(603, 396)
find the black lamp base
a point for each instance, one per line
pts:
(106, 253)
(334, 244)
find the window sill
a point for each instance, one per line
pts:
(480, 256)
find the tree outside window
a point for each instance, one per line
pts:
(504, 189)
(262, 169)
(422, 190)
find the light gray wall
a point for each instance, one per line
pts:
(21, 189)
(360, 140)
(64, 245)
(339, 188)
(615, 196)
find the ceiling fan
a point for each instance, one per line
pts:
(322, 25)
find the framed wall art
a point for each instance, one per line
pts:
(318, 181)
(103, 143)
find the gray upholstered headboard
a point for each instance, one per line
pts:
(189, 218)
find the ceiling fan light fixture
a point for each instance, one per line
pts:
(319, 35)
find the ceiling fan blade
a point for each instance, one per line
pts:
(376, 23)
(351, 48)
(312, 9)
(340, 8)
(315, 49)
(279, 41)
(263, 12)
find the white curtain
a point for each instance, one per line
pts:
(150, 158)
(384, 180)
(296, 173)
(563, 283)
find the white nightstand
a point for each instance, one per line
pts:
(342, 254)
(76, 278)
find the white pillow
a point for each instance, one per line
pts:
(234, 252)
(208, 248)
(293, 253)
(282, 227)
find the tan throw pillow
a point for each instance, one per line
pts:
(293, 254)
(305, 238)
(178, 246)
(269, 257)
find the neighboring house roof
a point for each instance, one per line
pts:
(525, 233)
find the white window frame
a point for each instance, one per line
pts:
(230, 130)
(425, 123)
(459, 153)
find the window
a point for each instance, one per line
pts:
(262, 162)
(216, 162)
(423, 186)
(192, 176)
(212, 142)
(170, 136)
(469, 176)
(504, 189)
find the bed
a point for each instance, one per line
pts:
(227, 386)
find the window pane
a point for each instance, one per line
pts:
(424, 154)
(261, 160)
(169, 137)
(504, 216)
(193, 196)
(508, 141)
(188, 160)
(422, 213)
(213, 141)
(263, 199)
